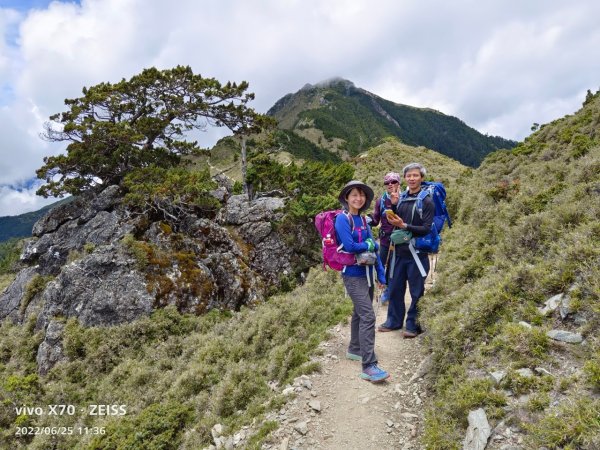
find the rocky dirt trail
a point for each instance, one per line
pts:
(336, 409)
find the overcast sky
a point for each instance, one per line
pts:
(497, 65)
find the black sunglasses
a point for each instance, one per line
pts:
(390, 182)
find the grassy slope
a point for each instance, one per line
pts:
(178, 375)
(527, 229)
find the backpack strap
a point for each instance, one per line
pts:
(351, 220)
(413, 251)
(425, 191)
(412, 216)
(349, 217)
(393, 263)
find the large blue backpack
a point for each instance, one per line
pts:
(431, 242)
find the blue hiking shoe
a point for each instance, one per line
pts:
(374, 374)
(353, 356)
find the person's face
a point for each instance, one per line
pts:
(391, 186)
(413, 179)
(356, 199)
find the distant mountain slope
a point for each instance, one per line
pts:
(21, 225)
(338, 116)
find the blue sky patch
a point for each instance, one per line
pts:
(24, 5)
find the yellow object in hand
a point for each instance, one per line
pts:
(391, 214)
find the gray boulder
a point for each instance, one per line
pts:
(271, 258)
(100, 279)
(52, 250)
(10, 298)
(565, 336)
(50, 350)
(84, 208)
(478, 432)
(255, 232)
(101, 289)
(224, 181)
(240, 210)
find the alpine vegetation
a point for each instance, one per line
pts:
(514, 317)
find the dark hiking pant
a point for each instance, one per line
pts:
(406, 271)
(362, 326)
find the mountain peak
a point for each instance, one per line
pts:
(331, 82)
(337, 116)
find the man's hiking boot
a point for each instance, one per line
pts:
(374, 374)
(353, 356)
(410, 334)
(385, 329)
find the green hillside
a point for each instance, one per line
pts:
(526, 229)
(392, 155)
(21, 225)
(342, 118)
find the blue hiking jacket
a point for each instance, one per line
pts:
(352, 244)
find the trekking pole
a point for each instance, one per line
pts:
(387, 258)
(434, 260)
(377, 298)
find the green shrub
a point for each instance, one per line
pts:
(158, 426)
(176, 372)
(580, 145)
(6, 280)
(521, 346)
(254, 443)
(36, 285)
(9, 256)
(525, 229)
(538, 402)
(166, 193)
(592, 370)
(521, 385)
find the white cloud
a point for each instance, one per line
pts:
(18, 201)
(498, 66)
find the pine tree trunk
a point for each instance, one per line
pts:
(244, 167)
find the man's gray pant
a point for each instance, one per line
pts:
(362, 327)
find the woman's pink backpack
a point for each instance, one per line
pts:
(333, 255)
